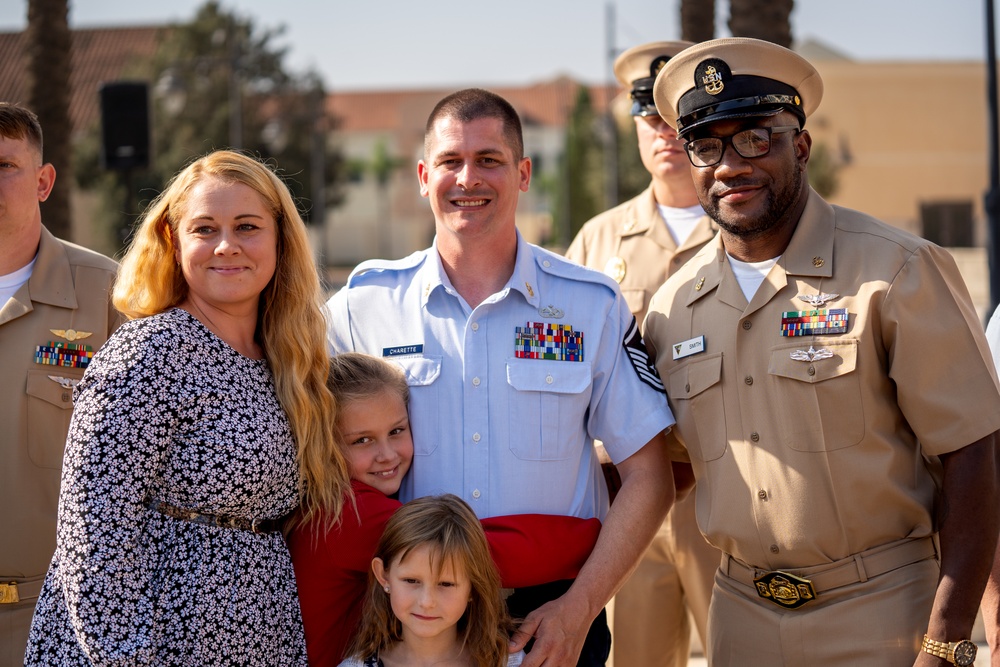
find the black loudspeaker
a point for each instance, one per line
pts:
(124, 125)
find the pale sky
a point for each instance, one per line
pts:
(446, 43)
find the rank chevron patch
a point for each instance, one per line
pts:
(639, 356)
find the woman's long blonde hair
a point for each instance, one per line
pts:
(451, 528)
(290, 324)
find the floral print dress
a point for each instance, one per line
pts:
(169, 412)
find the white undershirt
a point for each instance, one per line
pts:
(750, 274)
(10, 283)
(681, 221)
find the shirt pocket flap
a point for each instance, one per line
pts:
(57, 392)
(637, 299)
(556, 377)
(420, 371)
(819, 361)
(695, 377)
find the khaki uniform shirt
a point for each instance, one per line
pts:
(69, 288)
(802, 462)
(631, 243)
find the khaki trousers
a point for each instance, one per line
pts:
(15, 621)
(877, 623)
(651, 626)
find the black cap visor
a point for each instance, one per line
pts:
(729, 111)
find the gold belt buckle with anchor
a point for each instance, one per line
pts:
(8, 593)
(784, 589)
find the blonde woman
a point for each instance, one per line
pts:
(198, 427)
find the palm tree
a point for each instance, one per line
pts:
(763, 19)
(697, 20)
(48, 40)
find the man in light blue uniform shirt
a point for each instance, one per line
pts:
(516, 360)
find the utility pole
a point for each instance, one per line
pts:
(610, 127)
(992, 199)
(235, 87)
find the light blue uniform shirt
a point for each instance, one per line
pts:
(509, 435)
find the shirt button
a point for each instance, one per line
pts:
(747, 324)
(754, 436)
(774, 547)
(546, 264)
(476, 437)
(687, 388)
(476, 494)
(812, 370)
(475, 326)
(748, 379)
(65, 397)
(548, 379)
(762, 494)
(475, 382)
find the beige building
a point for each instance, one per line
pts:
(910, 143)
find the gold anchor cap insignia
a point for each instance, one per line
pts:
(711, 75)
(713, 82)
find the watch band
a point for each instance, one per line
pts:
(947, 650)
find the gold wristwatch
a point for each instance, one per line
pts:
(961, 653)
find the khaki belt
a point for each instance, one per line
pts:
(12, 592)
(794, 587)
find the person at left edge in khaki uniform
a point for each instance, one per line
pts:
(640, 243)
(833, 388)
(54, 313)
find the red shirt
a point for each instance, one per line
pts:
(331, 570)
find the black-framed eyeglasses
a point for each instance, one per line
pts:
(753, 142)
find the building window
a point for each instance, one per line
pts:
(948, 224)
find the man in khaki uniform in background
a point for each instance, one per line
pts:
(640, 243)
(54, 313)
(833, 390)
